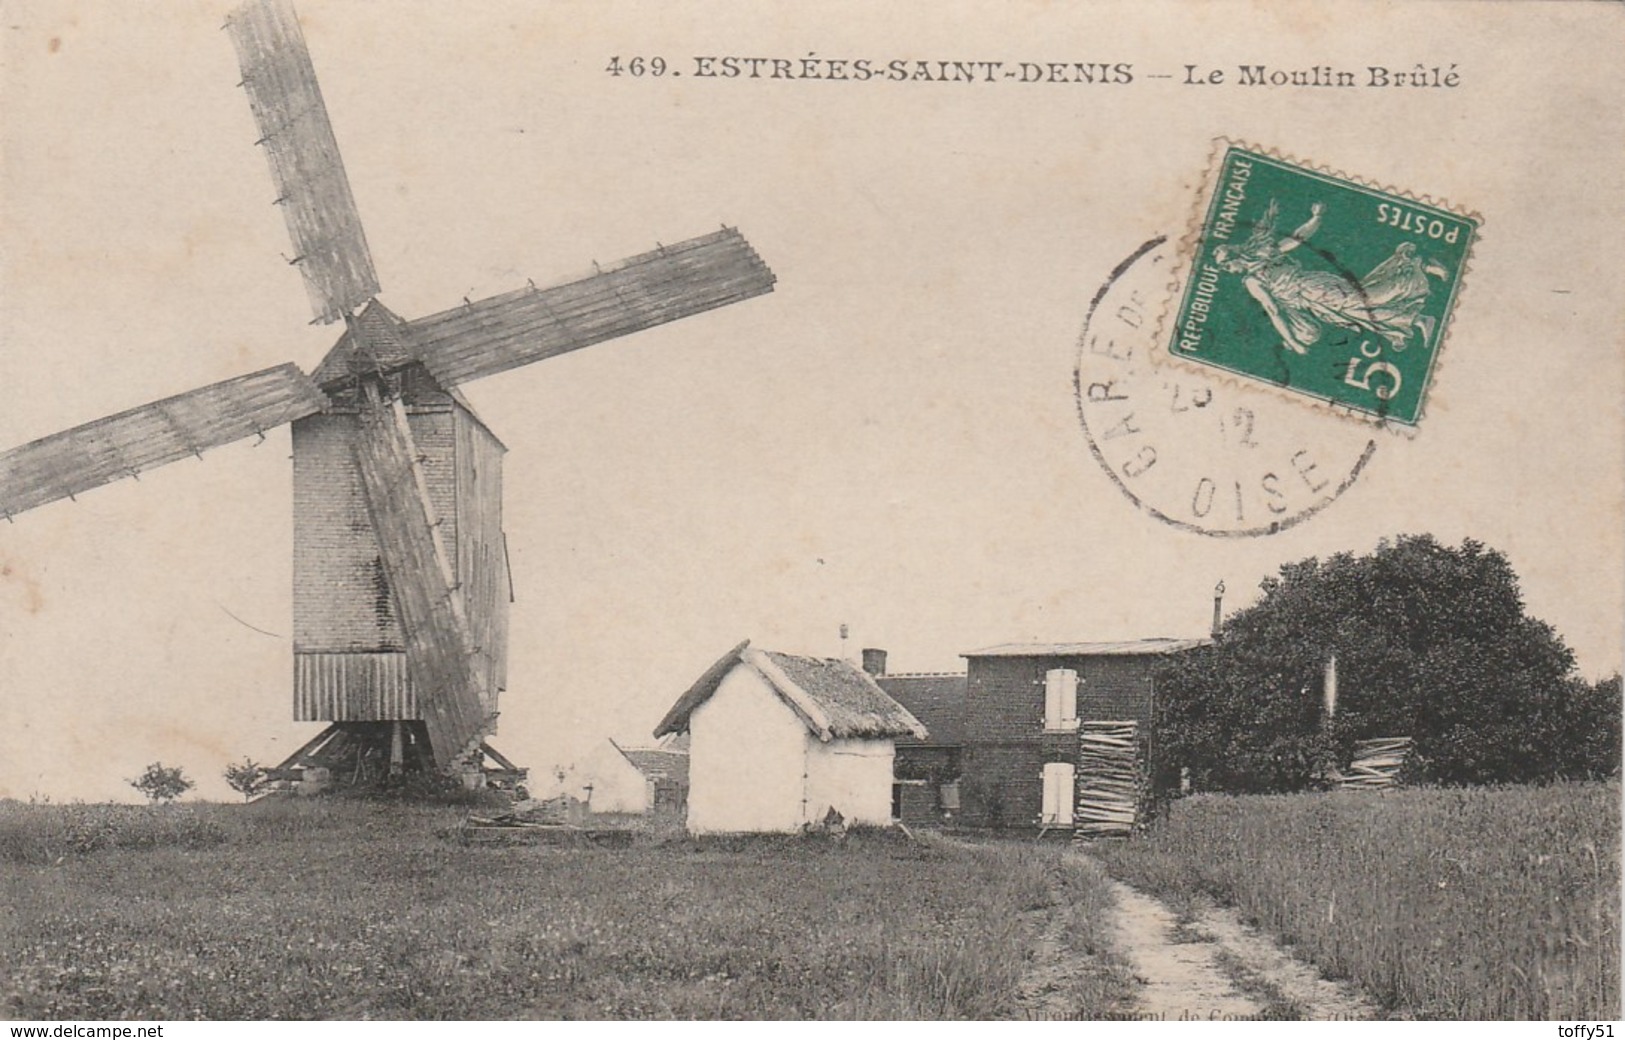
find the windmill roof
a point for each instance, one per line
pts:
(383, 333)
(936, 699)
(834, 699)
(1125, 648)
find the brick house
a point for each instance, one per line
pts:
(1023, 704)
(926, 772)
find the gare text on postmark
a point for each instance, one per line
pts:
(1213, 457)
(1319, 285)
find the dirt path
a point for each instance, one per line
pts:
(1179, 981)
(1216, 967)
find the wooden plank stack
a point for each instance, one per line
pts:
(1108, 780)
(1376, 763)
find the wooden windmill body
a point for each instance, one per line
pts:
(401, 578)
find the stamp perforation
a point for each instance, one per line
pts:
(1190, 246)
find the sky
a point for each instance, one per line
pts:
(889, 441)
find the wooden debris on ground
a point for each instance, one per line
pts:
(555, 821)
(1108, 780)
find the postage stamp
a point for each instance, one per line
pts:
(1320, 285)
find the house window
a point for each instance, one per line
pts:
(1060, 699)
(1058, 794)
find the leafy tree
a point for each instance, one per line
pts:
(1589, 733)
(1431, 641)
(161, 783)
(248, 778)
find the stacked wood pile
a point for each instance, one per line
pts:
(1376, 763)
(1108, 780)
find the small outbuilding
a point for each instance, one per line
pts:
(777, 741)
(617, 779)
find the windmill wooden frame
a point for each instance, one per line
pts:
(401, 582)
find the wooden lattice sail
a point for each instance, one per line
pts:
(1376, 763)
(401, 584)
(1108, 780)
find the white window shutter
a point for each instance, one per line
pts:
(1052, 698)
(1047, 808)
(1069, 699)
(1058, 793)
(1067, 795)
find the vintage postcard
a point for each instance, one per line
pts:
(713, 510)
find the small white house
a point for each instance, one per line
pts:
(616, 779)
(610, 783)
(776, 741)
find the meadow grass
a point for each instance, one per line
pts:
(1499, 904)
(326, 909)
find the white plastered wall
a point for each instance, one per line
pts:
(617, 786)
(747, 759)
(854, 777)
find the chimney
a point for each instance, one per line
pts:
(1329, 691)
(874, 661)
(1218, 607)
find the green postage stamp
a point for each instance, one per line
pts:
(1320, 285)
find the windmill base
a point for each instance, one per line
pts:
(357, 753)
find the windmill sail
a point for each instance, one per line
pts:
(517, 328)
(440, 658)
(124, 445)
(312, 189)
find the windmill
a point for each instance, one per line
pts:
(401, 583)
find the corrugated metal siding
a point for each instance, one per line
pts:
(438, 643)
(352, 688)
(312, 190)
(122, 445)
(517, 328)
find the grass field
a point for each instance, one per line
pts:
(332, 909)
(1463, 904)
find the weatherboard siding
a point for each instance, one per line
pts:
(480, 550)
(344, 612)
(341, 600)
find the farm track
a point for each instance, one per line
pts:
(1216, 967)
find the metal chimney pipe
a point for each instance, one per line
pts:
(1218, 608)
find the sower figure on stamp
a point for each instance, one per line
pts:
(1387, 302)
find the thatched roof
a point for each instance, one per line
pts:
(834, 699)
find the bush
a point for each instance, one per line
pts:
(248, 778)
(161, 783)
